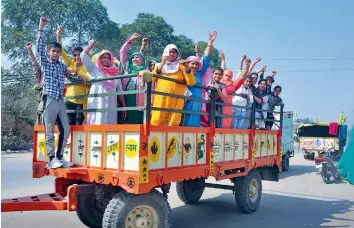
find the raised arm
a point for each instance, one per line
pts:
(223, 61)
(31, 55)
(243, 58)
(91, 68)
(124, 50)
(239, 80)
(212, 37)
(64, 56)
(254, 64)
(262, 69)
(144, 43)
(34, 62)
(196, 48)
(41, 41)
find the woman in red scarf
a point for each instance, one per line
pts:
(104, 67)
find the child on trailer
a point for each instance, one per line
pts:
(54, 72)
(273, 100)
(242, 99)
(261, 103)
(220, 97)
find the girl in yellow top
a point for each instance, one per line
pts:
(76, 89)
(170, 67)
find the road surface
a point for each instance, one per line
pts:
(299, 199)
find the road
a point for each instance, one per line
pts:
(299, 199)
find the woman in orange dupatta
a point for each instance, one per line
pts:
(232, 86)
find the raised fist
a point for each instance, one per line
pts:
(29, 45)
(43, 20)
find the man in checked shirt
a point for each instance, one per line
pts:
(54, 72)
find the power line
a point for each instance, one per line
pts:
(317, 70)
(315, 59)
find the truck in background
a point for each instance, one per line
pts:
(315, 139)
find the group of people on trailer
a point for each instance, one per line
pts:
(249, 87)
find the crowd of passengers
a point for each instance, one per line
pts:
(249, 87)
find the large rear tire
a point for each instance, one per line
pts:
(190, 191)
(248, 191)
(90, 210)
(146, 210)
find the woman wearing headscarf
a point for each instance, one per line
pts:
(104, 67)
(199, 68)
(231, 86)
(152, 64)
(172, 68)
(133, 65)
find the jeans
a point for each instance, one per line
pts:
(260, 120)
(247, 122)
(55, 112)
(237, 122)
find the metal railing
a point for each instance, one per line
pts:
(148, 107)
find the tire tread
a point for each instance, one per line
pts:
(241, 193)
(116, 206)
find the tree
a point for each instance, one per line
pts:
(160, 34)
(155, 28)
(83, 20)
(18, 108)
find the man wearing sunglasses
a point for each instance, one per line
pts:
(273, 100)
(80, 75)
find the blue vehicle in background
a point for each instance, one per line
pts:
(287, 139)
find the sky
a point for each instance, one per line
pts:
(309, 43)
(292, 35)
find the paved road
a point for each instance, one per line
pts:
(299, 199)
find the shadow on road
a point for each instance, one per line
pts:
(274, 211)
(298, 170)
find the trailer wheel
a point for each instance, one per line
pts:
(90, 210)
(248, 191)
(286, 162)
(190, 191)
(140, 211)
